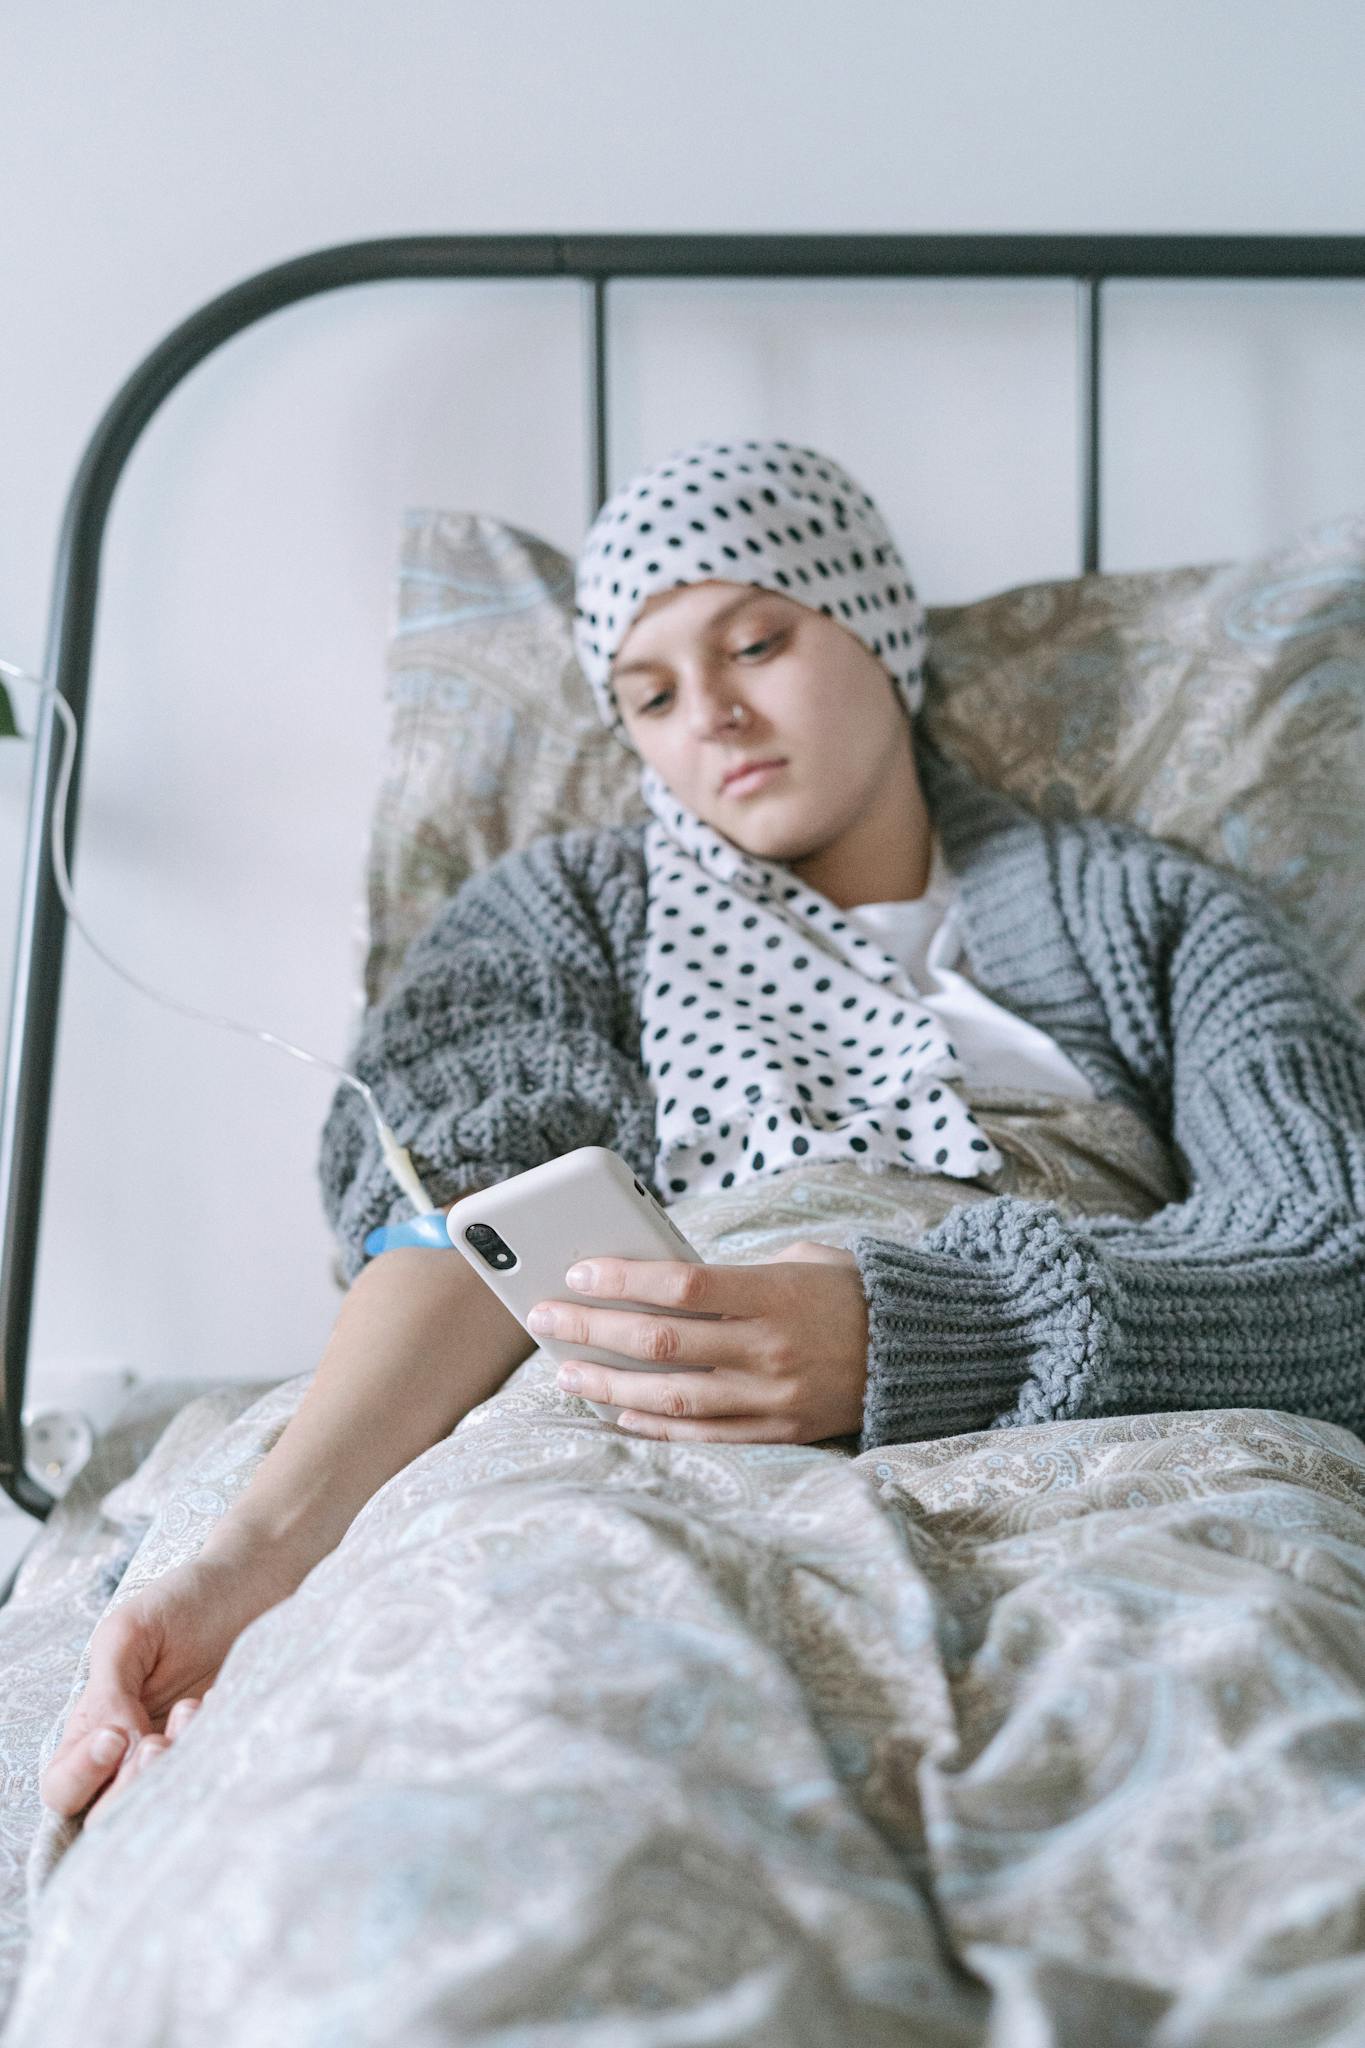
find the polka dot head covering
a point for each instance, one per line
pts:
(774, 1033)
(771, 513)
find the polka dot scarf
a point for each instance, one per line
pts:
(772, 1031)
(764, 512)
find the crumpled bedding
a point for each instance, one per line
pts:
(73, 1567)
(1041, 1738)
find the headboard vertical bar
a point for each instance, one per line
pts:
(1088, 394)
(597, 395)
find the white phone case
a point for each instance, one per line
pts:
(586, 1203)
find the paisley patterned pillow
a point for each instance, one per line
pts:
(1221, 707)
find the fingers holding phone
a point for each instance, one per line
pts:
(774, 1353)
(523, 1235)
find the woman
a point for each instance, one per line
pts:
(824, 946)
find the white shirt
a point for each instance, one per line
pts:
(997, 1048)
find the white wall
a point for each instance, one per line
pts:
(152, 154)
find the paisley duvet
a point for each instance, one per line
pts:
(1028, 1737)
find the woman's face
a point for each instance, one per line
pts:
(813, 698)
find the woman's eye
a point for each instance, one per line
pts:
(755, 647)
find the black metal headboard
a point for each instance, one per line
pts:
(1090, 261)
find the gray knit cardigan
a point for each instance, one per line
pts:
(511, 1034)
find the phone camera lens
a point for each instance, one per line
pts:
(494, 1250)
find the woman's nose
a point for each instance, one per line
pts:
(715, 717)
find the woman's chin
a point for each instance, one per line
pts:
(775, 839)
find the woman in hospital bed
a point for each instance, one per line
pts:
(827, 945)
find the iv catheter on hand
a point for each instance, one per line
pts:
(427, 1228)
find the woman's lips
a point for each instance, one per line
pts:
(752, 778)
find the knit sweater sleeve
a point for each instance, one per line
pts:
(509, 1036)
(1249, 1292)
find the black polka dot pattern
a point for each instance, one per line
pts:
(793, 1066)
(771, 513)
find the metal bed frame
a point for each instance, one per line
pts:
(1090, 261)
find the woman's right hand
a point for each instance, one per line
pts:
(166, 1644)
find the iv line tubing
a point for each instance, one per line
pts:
(395, 1155)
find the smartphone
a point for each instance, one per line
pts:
(522, 1236)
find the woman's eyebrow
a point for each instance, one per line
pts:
(627, 668)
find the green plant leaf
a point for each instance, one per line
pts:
(8, 729)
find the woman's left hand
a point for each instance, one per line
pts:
(786, 1344)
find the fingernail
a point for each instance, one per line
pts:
(541, 1319)
(107, 1745)
(581, 1278)
(570, 1378)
